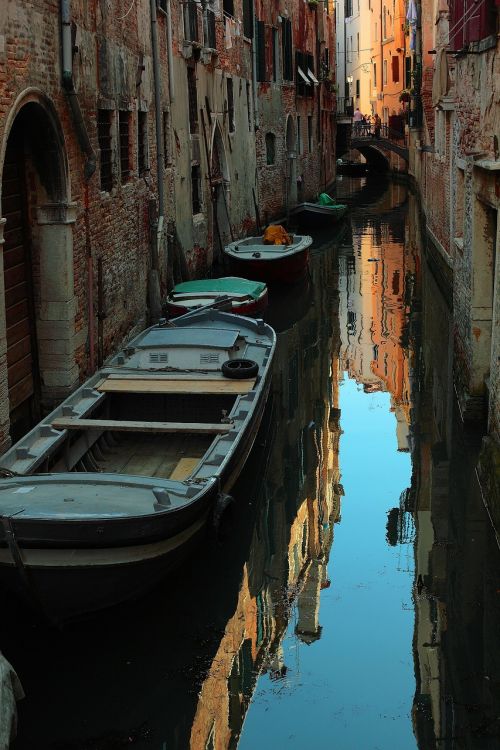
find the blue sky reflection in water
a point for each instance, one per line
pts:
(352, 689)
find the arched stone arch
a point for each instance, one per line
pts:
(290, 162)
(37, 298)
(221, 229)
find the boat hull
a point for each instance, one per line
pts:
(286, 270)
(249, 308)
(313, 215)
(61, 590)
(354, 169)
(71, 575)
(68, 562)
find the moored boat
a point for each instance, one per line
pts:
(320, 213)
(246, 297)
(353, 168)
(114, 487)
(257, 258)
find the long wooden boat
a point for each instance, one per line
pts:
(114, 487)
(246, 297)
(316, 215)
(254, 259)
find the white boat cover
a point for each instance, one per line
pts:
(11, 691)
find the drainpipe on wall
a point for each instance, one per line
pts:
(154, 276)
(171, 86)
(254, 75)
(69, 87)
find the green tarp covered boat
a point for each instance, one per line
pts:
(325, 211)
(247, 297)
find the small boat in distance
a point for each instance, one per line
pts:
(321, 213)
(283, 259)
(245, 297)
(352, 168)
(115, 487)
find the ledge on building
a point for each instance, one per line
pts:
(490, 165)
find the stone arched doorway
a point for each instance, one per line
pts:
(290, 164)
(221, 229)
(36, 266)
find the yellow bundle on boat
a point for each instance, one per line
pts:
(276, 235)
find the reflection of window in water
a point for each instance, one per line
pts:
(351, 323)
(239, 686)
(304, 540)
(395, 283)
(375, 353)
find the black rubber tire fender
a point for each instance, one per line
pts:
(240, 368)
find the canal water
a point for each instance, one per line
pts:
(354, 601)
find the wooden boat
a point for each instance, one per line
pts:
(317, 214)
(114, 487)
(255, 259)
(353, 168)
(246, 297)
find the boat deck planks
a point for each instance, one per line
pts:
(114, 425)
(147, 385)
(155, 456)
(184, 468)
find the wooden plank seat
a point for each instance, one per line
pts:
(115, 425)
(157, 385)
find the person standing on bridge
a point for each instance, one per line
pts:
(357, 118)
(377, 125)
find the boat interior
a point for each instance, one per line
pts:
(156, 435)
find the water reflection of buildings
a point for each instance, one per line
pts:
(457, 602)
(299, 504)
(377, 280)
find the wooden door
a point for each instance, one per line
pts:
(18, 294)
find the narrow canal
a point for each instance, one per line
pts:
(354, 602)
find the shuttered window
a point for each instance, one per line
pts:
(124, 132)
(395, 68)
(142, 142)
(248, 18)
(261, 51)
(104, 138)
(287, 47)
